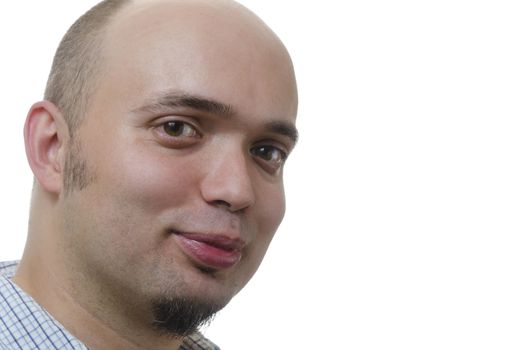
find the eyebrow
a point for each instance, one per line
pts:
(173, 100)
(285, 129)
(169, 101)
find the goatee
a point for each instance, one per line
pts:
(180, 317)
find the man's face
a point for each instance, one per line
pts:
(184, 140)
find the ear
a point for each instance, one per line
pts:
(46, 135)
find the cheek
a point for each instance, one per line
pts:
(124, 206)
(270, 214)
(151, 181)
(269, 209)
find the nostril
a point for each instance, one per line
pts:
(221, 203)
(228, 206)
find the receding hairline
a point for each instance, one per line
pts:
(230, 9)
(82, 54)
(76, 61)
(237, 17)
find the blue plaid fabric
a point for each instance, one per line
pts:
(25, 325)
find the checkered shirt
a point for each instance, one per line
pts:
(25, 325)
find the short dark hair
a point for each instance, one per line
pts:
(75, 66)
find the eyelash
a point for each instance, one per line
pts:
(181, 128)
(260, 151)
(186, 134)
(272, 165)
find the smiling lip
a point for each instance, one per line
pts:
(210, 250)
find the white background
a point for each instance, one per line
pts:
(407, 195)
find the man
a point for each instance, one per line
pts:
(158, 155)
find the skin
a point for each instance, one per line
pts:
(96, 256)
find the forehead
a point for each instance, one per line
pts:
(214, 49)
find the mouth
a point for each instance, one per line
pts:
(210, 251)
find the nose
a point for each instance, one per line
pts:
(228, 183)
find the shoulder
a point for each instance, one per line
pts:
(8, 268)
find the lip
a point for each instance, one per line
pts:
(211, 250)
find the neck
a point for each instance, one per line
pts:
(92, 316)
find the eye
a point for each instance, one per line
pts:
(176, 133)
(271, 157)
(176, 128)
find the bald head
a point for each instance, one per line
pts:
(92, 39)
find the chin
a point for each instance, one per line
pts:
(197, 283)
(182, 316)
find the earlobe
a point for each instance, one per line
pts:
(45, 135)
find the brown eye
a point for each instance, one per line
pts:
(177, 128)
(272, 157)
